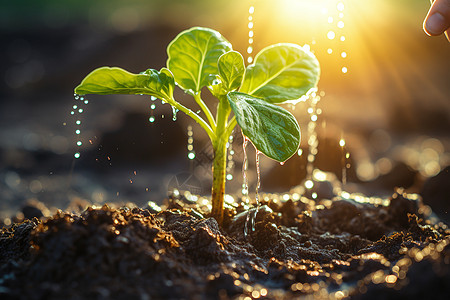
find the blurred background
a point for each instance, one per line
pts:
(384, 91)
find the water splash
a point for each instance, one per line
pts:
(76, 110)
(335, 19)
(174, 113)
(258, 180)
(230, 162)
(250, 26)
(190, 144)
(250, 222)
(244, 170)
(345, 155)
(313, 142)
(152, 118)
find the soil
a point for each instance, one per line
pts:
(361, 248)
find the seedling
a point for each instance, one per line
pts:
(202, 57)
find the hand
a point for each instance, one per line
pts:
(438, 19)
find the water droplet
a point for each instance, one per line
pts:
(344, 54)
(151, 119)
(313, 100)
(80, 110)
(78, 122)
(309, 184)
(250, 25)
(78, 131)
(191, 155)
(344, 70)
(153, 106)
(244, 167)
(340, 6)
(300, 152)
(250, 33)
(258, 174)
(174, 113)
(250, 60)
(282, 163)
(331, 35)
(79, 143)
(77, 155)
(330, 20)
(72, 112)
(251, 10)
(342, 38)
(153, 98)
(329, 50)
(229, 177)
(249, 49)
(340, 24)
(86, 101)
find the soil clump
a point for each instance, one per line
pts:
(361, 248)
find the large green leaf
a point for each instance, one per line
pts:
(273, 130)
(106, 80)
(281, 72)
(193, 56)
(231, 69)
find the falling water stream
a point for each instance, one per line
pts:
(250, 221)
(77, 110)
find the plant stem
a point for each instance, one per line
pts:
(194, 116)
(231, 124)
(205, 110)
(220, 160)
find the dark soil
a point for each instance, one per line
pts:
(386, 249)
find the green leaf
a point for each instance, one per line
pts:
(106, 80)
(231, 69)
(217, 87)
(282, 72)
(273, 130)
(193, 56)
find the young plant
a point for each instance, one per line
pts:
(202, 57)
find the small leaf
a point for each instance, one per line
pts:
(281, 72)
(106, 80)
(273, 130)
(231, 69)
(193, 56)
(217, 87)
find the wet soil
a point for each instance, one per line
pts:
(359, 248)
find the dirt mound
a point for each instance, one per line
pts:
(330, 249)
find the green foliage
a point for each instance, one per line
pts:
(107, 81)
(193, 56)
(272, 129)
(231, 69)
(201, 57)
(281, 72)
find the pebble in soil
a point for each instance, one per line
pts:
(325, 249)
